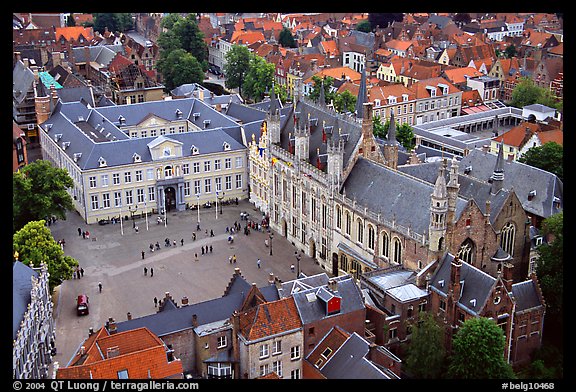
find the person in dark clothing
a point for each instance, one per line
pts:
(145, 271)
(151, 271)
(143, 253)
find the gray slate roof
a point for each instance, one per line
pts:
(477, 285)
(350, 362)
(385, 192)
(526, 295)
(311, 303)
(21, 287)
(22, 81)
(522, 179)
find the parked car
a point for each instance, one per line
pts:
(103, 222)
(82, 305)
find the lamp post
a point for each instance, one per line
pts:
(132, 212)
(271, 236)
(217, 204)
(146, 212)
(298, 257)
(198, 205)
(220, 197)
(121, 225)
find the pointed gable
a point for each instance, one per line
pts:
(269, 319)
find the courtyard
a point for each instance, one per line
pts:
(112, 255)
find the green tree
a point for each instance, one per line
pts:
(344, 102)
(281, 92)
(510, 51)
(550, 269)
(113, 21)
(426, 356)
(182, 68)
(39, 191)
(549, 157)
(315, 92)
(35, 244)
(364, 26)
(191, 38)
(527, 93)
(237, 66)
(478, 351)
(404, 134)
(258, 78)
(378, 128)
(286, 39)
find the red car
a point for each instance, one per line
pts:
(82, 305)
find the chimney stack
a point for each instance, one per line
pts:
(112, 328)
(507, 276)
(184, 301)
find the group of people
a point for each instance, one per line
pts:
(84, 234)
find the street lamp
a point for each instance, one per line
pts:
(271, 236)
(298, 257)
(132, 212)
(198, 205)
(220, 197)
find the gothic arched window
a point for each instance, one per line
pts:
(507, 238)
(466, 251)
(360, 231)
(385, 244)
(397, 249)
(371, 237)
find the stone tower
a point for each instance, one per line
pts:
(302, 139)
(335, 164)
(391, 145)
(438, 212)
(452, 188)
(273, 119)
(370, 149)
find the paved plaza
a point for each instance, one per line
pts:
(115, 259)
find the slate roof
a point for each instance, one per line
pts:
(101, 54)
(350, 362)
(21, 287)
(311, 302)
(82, 127)
(522, 179)
(217, 309)
(369, 184)
(22, 81)
(526, 295)
(476, 287)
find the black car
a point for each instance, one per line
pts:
(103, 222)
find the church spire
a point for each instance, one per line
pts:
(361, 99)
(498, 174)
(321, 97)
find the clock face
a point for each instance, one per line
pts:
(166, 151)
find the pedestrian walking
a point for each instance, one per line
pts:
(100, 286)
(82, 272)
(157, 246)
(196, 256)
(182, 242)
(136, 228)
(230, 259)
(83, 235)
(174, 242)
(143, 253)
(87, 234)
(193, 236)
(151, 271)
(234, 259)
(292, 268)
(210, 248)
(258, 263)
(79, 232)
(202, 249)
(145, 271)
(211, 233)
(155, 302)
(151, 247)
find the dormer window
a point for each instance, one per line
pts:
(531, 194)
(102, 162)
(136, 158)
(196, 115)
(206, 123)
(226, 146)
(194, 150)
(556, 202)
(58, 136)
(178, 114)
(121, 120)
(77, 156)
(65, 145)
(468, 169)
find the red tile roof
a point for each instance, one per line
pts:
(270, 319)
(141, 353)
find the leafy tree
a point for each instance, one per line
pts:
(258, 78)
(237, 66)
(404, 133)
(344, 102)
(286, 39)
(281, 92)
(39, 191)
(315, 93)
(510, 51)
(426, 356)
(378, 128)
(550, 263)
(112, 21)
(527, 93)
(548, 156)
(478, 351)
(191, 38)
(35, 244)
(364, 26)
(183, 68)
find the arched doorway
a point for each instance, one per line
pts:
(335, 264)
(169, 198)
(284, 228)
(312, 247)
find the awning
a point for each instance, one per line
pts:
(355, 255)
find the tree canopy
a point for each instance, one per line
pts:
(258, 79)
(286, 39)
(237, 66)
(478, 351)
(113, 21)
(35, 244)
(527, 93)
(426, 355)
(549, 157)
(38, 192)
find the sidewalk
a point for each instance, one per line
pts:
(116, 261)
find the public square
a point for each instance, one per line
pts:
(113, 256)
